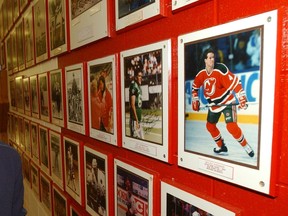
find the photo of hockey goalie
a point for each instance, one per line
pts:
(222, 95)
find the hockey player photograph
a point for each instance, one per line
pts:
(222, 79)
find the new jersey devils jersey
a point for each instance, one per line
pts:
(218, 86)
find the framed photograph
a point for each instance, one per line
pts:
(27, 98)
(59, 202)
(236, 147)
(19, 94)
(16, 128)
(72, 169)
(75, 109)
(20, 44)
(21, 143)
(96, 179)
(9, 54)
(176, 4)
(44, 149)
(29, 37)
(102, 99)
(144, 88)
(177, 199)
(34, 142)
(44, 97)
(3, 56)
(56, 97)
(12, 93)
(88, 22)
(133, 12)
(45, 193)
(56, 157)
(57, 20)
(26, 168)
(14, 51)
(35, 178)
(34, 96)
(133, 190)
(40, 28)
(75, 210)
(27, 137)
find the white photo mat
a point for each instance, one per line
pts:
(110, 83)
(155, 144)
(217, 166)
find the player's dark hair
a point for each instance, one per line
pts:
(204, 56)
(101, 78)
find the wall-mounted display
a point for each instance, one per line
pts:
(56, 157)
(29, 37)
(19, 94)
(223, 69)
(57, 20)
(88, 21)
(59, 201)
(144, 87)
(56, 97)
(102, 99)
(21, 131)
(177, 199)
(74, 86)
(12, 93)
(176, 4)
(44, 97)
(45, 193)
(35, 178)
(132, 12)
(27, 137)
(44, 149)
(20, 44)
(72, 169)
(34, 96)
(9, 54)
(26, 169)
(40, 28)
(14, 51)
(27, 98)
(34, 142)
(133, 190)
(96, 182)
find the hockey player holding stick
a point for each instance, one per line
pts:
(219, 84)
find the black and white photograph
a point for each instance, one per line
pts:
(72, 168)
(20, 45)
(34, 142)
(35, 178)
(102, 99)
(59, 202)
(34, 96)
(27, 137)
(176, 200)
(145, 71)
(56, 157)
(56, 95)
(57, 26)
(133, 190)
(88, 21)
(41, 33)
(28, 37)
(27, 98)
(44, 149)
(75, 98)
(96, 178)
(19, 94)
(223, 72)
(44, 97)
(45, 193)
(129, 13)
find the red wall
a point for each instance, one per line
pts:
(199, 16)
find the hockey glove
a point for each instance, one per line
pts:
(242, 99)
(195, 101)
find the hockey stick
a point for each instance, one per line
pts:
(220, 105)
